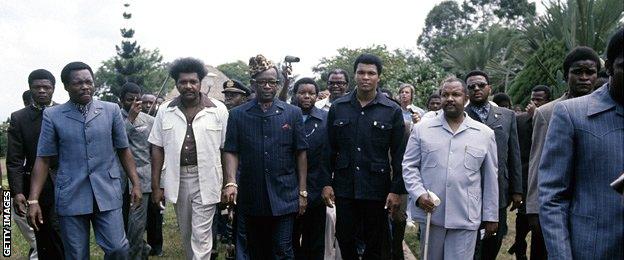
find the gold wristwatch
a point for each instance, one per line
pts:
(303, 193)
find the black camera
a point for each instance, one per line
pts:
(289, 58)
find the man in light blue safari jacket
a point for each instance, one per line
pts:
(455, 157)
(89, 138)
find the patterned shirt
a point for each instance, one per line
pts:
(481, 110)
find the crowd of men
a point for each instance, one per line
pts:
(323, 178)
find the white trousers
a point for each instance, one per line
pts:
(194, 218)
(448, 243)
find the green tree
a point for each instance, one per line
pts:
(131, 64)
(399, 66)
(499, 51)
(236, 70)
(448, 22)
(152, 75)
(544, 67)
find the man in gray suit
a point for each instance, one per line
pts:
(581, 216)
(540, 95)
(503, 122)
(580, 69)
(454, 157)
(138, 126)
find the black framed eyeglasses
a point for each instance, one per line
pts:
(481, 85)
(263, 82)
(337, 83)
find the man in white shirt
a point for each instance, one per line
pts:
(187, 136)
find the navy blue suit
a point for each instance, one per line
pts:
(266, 143)
(309, 230)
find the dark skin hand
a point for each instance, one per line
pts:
(39, 175)
(328, 196)
(229, 194)
(490, 228)
(129, 166)
(516, 201)
(134, 110)
(393, 202)
(425, 203)
(283, 94)
(302, 171)
(20, 205)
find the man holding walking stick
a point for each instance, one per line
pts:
(454, 157)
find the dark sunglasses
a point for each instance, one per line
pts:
(480, 85)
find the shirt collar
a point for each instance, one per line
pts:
(467, 123)
(380, 98)
(316, 113)
(83, 108)
(486, 105)
(41, 108)
(204, 99)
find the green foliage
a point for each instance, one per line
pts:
(577, 22)
(499, 51)
(3, 138)
(445, 24)
(399, 66)
(151, 75)
(448, 22)
(544, 67)
(238, 70)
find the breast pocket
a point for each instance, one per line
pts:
(381, 133)
(286, 135)
(341, 127)
(473, 158)
(213, 133)
(167, 133)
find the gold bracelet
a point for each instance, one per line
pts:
(30, 202)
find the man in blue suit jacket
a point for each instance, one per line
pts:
(87, 136)
(581, 216)
(266, 136)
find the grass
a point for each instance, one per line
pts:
(172, 245)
